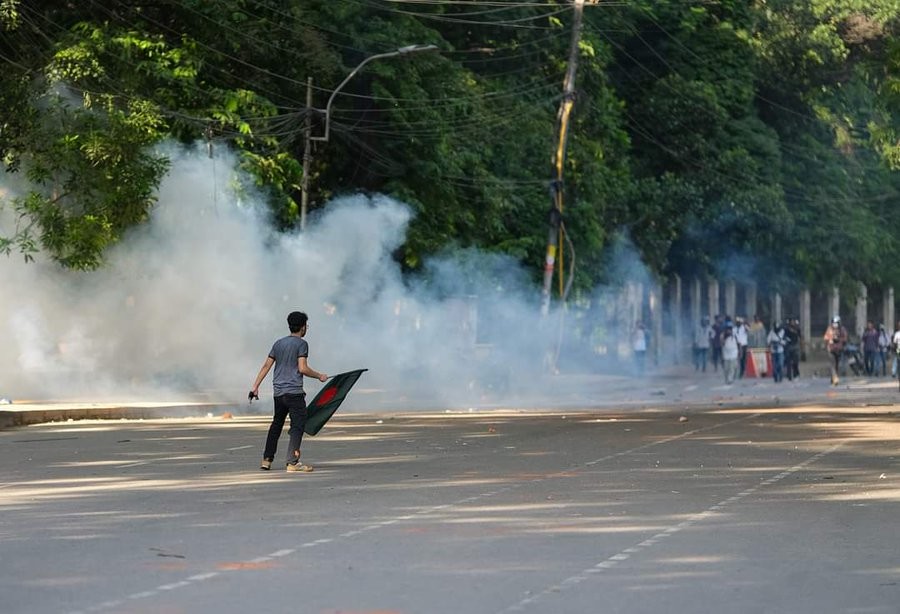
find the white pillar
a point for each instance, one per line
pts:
(654, 296)
(776, 310)
(862, 305)
(750, 301)
(696, 303)
(805, 315)
(730, 297)
(888, 310)
(835, 303)
(677, 320)
(713, 295)
(636, 300)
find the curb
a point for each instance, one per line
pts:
(12, 416)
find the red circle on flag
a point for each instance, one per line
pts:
(326, 395)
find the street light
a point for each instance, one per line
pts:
(307, 153)
(401, 51)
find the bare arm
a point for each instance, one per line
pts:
(305, 369)
(263, 372)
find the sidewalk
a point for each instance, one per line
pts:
(32, 412)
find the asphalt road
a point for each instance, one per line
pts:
(636, 511)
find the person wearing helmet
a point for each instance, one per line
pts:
(835, 338)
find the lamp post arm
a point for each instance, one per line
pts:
(377, 56)
(342, 84)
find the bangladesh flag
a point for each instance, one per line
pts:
(321, 408)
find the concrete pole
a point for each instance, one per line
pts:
(805, 315)
(862, 308)
(637, 303)
(654, 292)
(888, 310)
(835, 303)
(696, 302)
(624, 322)
(730, 297)
(677, 320)
(632, 303)
(713, 295)
(750, 298)
(776, 310)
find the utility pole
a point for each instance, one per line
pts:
(557, 228)
(307, 155)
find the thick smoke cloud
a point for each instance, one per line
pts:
(188, 305)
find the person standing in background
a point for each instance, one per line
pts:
(776, 343)
(792, 349)
(639, 344)
(835, 339)
(702, 336)
(742, 336)
(715, 344)
(729, 355)
(884, 347)
(895, 344)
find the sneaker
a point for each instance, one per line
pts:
(265, 465)
(298, 467)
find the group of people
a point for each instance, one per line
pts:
(876, 344)
(726, 342)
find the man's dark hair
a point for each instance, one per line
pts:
(296, 321)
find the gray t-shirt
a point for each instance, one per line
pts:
(287, 379)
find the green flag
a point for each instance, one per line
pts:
(321, 408)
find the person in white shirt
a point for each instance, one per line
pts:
(776, 343)
(639, 347)
(702, 336)
(741, 335)
(729, 355)
(895, 344)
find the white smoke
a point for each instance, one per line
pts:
(189, 304)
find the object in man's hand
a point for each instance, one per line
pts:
(252, 396)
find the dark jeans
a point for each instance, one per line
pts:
(792, 362)
(716, 357)
(700, 359)
(778, 366)
(640, 361)
(881, 357)
(869, 360)
(293, 405)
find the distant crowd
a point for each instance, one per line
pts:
(728, 343)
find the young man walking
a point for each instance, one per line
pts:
(289, 355)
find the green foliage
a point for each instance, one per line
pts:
(704, 131)
(91, 176)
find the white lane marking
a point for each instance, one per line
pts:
(435, 508)
(668, 440)
(614, 560)
(200, 577)
(239, 448)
